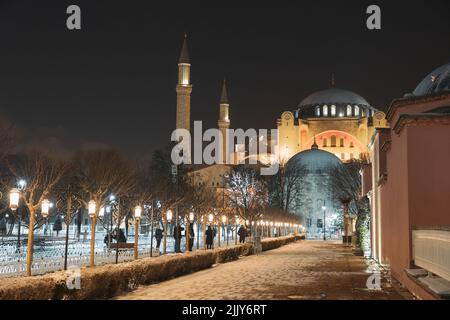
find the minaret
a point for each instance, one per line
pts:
(184, 89)
(224, 120)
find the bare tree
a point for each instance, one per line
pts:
(346, 186)
(42, 174)
(247, 192)
(100, 173)
(285, 186)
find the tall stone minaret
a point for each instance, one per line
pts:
(184, 89)
(224, 119)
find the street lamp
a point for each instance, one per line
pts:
(14, 198)
(91, 210)
(324, 208)
(137, 217)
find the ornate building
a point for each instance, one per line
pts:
(341, 121)
(408, 183)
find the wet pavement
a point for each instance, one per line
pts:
(311, 269)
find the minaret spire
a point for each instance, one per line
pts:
(184, 54)
(224, 95)
(184, 88)
(224, 120)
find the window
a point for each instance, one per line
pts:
(324, 142)
(309, 222)
(342, 156)
(349, 111)
(356, 111)
(325, 111)
(333, 110)
(86, 222)
(341, 142)
(351, 144)
(319, 223)
(333, 141)
(317, 111)
(351, 156)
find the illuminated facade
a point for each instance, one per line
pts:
(341, 121)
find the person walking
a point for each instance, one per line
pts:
(242, 233)
(158, 237)
(209, 238)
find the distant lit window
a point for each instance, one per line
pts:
(333, 141)
(333, 110)
(351, 144)
(318, 111)
(356, 111)
(325, 111)
(342, 156)
(324, 144)
(349, 111)
(341, 144)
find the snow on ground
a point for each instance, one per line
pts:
(301, 270)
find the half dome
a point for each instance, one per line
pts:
(315, 161)
(436, 81)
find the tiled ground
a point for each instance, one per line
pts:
(302, 270)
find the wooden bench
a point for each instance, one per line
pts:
(121, 245)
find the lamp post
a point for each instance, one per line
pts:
(137, 217)
(189, 221)
(14, 197)
(324, 208)
(236, 230)
(203, 220)
(166, 220)
(92, 214)
(225, 226)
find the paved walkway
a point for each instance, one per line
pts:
(301, 270)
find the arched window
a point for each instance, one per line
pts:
(349, 111)
(318, 111)
(333, 110)
(324, 142)
(341, 144)
(351, 144)
(325, 111)
(333, 141)
(356, 111)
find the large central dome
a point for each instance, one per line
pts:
(334, 96)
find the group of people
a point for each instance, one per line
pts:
(210, 235)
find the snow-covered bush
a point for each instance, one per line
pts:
(106, 281)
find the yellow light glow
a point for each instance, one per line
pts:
(45, 207)
(137, 211)
(91, 208)
(14, 196)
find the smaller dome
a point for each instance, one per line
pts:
(436, 81)
(314, 160)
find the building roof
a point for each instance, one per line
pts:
(333, 96)
(437, 81)
(184, 55)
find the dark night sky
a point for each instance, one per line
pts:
(113, 82)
